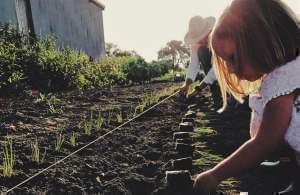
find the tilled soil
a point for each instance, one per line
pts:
(131, 160)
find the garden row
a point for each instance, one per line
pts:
(34, 138)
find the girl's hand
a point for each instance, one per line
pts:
(205, 183)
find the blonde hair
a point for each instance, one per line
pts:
(266, 34)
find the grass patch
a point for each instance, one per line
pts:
(207, 158)
(202, 133)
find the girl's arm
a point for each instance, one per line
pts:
(271, 133)
(275, 122)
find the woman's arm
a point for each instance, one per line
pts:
(194, 68)
(191, 72)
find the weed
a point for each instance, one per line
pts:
(51, 102)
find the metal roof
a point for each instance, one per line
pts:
(98, 3)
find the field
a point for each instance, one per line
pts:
(131, 160)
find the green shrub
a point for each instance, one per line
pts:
(31, 62)
(137, 70)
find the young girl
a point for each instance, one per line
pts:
(255, 48)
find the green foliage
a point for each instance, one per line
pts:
(51, 101)
(160, 68)
(171, 76)
(8, 159)
(35, 63)
(137, 70)
(12, 74)
(54, 69)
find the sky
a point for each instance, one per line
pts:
(147, 25)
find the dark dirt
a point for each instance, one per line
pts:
(132, 160)
(129, 161)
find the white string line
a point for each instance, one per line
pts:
(99, 138)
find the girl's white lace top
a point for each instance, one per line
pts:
(282, 81)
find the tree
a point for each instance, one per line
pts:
(175, 51)
(113, 50)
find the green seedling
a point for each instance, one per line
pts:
(35, 152)
(109, 116)
(8, 159)
(119, 117)
(99, 121)
(60, 138)
(88, 126)
(73, 139)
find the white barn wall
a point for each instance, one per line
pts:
(8, 12)
(76, 23)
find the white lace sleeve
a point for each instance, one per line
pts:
(282, 81)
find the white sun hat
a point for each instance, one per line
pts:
(198, 29)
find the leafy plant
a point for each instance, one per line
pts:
(51, 101)
(8, 159)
